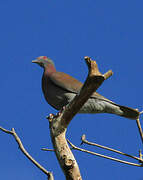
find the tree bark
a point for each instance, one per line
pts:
(60, 122)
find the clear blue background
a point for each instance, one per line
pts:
(66, 31)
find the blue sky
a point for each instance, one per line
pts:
(66, 31)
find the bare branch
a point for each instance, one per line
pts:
(50, 150)
(12, 132)
(141, 112)
(92, 83)
(5, 130)
(141, 156)
(140, 128)
(60, 122)
(110, 149)
(103, 156)
(45, 149)
(108, 74)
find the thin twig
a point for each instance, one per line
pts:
(140, 155)
(140, 128)
(12, 132)
(51, 150)
(45, 149)
(141, 112)
(110, 149)
(103, 156)
(108, 74)
(6, 131)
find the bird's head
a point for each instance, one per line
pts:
(43, 61)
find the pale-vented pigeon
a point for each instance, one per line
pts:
(60, 88)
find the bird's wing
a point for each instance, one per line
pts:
(98, 96)
(66, 82)
(71, 84)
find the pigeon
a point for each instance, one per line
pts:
(60, 88)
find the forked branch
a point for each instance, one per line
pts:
(60, 122)
(12, 132)
(103, 156)
(110, 149)
(92, 83)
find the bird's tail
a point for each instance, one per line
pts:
(111, 107)
(96, 105)
(129, 112)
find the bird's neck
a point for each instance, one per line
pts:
(49, 70)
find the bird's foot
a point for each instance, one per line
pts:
(50, 117)
(61, 110)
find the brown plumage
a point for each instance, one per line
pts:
(60, 88)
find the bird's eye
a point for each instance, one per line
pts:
(44, 57)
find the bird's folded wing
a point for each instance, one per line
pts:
(66, 82)
(71, 84)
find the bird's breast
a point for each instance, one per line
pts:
(55, 95)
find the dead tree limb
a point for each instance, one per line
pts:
(60, 122)
(139, 159)
(140, 128)
(12, 132)
(104, 156)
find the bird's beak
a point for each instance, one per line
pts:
(35, 61)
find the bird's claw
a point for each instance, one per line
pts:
(50, 117)
(63, 108)
(59, 113)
